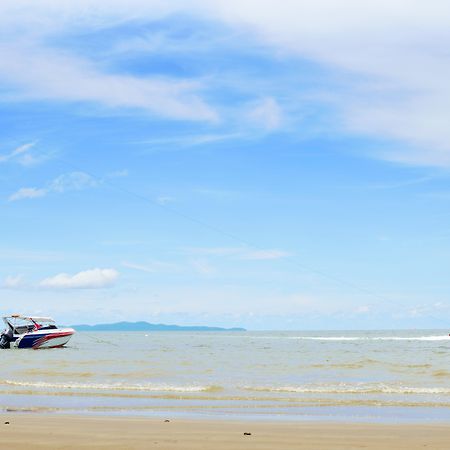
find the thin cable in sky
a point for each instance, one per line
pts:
(217, 230)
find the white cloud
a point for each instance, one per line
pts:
(188, 140)
(27, 155)
(23, 148)
(28, 29)
(266, 113)
(60, 76)
(24, 193)
(74, 181)
(388, 60)
(19, 154)
(13, 282)
(88, 279)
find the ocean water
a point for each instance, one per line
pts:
(358, 375)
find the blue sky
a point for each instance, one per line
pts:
(226, 163)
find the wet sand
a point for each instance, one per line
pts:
(92, 432)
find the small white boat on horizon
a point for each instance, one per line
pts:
(33, 332)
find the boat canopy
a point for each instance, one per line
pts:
(33, 318)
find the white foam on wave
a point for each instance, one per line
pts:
(110, 386)
(329, 338)
(351, 389)
(345, 338)
(373, 338)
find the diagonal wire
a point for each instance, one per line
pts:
(238, 239)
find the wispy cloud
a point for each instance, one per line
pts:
(34, 256)
(203, 267)
(74, 181)
(60, 76)
(215, 251)
(402, 183)
(189, 140)
(241, 253)
(20, 155)
(88, 279)
(13, 282)
(261, 255)
(384, 63)
(363, 309)
(152, 266)
(164, 200)
(28, 193)
(266, 113)
(392, 73)
(117, 174)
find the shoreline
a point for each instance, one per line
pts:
(315, 415)
(96, 432)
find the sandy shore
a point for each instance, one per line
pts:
(75, 432)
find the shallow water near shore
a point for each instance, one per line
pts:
(358, 376)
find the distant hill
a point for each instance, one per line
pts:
(145, 326)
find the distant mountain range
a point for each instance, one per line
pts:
(145, 326)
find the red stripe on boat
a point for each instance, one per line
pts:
(48, 337)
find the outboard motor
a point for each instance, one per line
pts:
(6, 338)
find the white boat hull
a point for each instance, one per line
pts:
(44, 338)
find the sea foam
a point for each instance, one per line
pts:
(111, 386)
(351, 389)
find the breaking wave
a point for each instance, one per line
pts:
(113, 386)
(372, 338)
(351, 389)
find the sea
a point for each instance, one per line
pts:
(375, 376)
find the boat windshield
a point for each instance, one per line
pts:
(22, 325)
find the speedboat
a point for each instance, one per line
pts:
(33, 332)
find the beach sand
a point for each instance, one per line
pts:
(74, 432)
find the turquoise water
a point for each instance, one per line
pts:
(388, 375)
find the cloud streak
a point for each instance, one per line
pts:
(88, 279)
(61, 76)
(240, 253)
(28, 193)
(74, 181)
(389, 58)
(152, 266)
(266, 113)
(13, 282)
(385, 62)
(19, 154)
